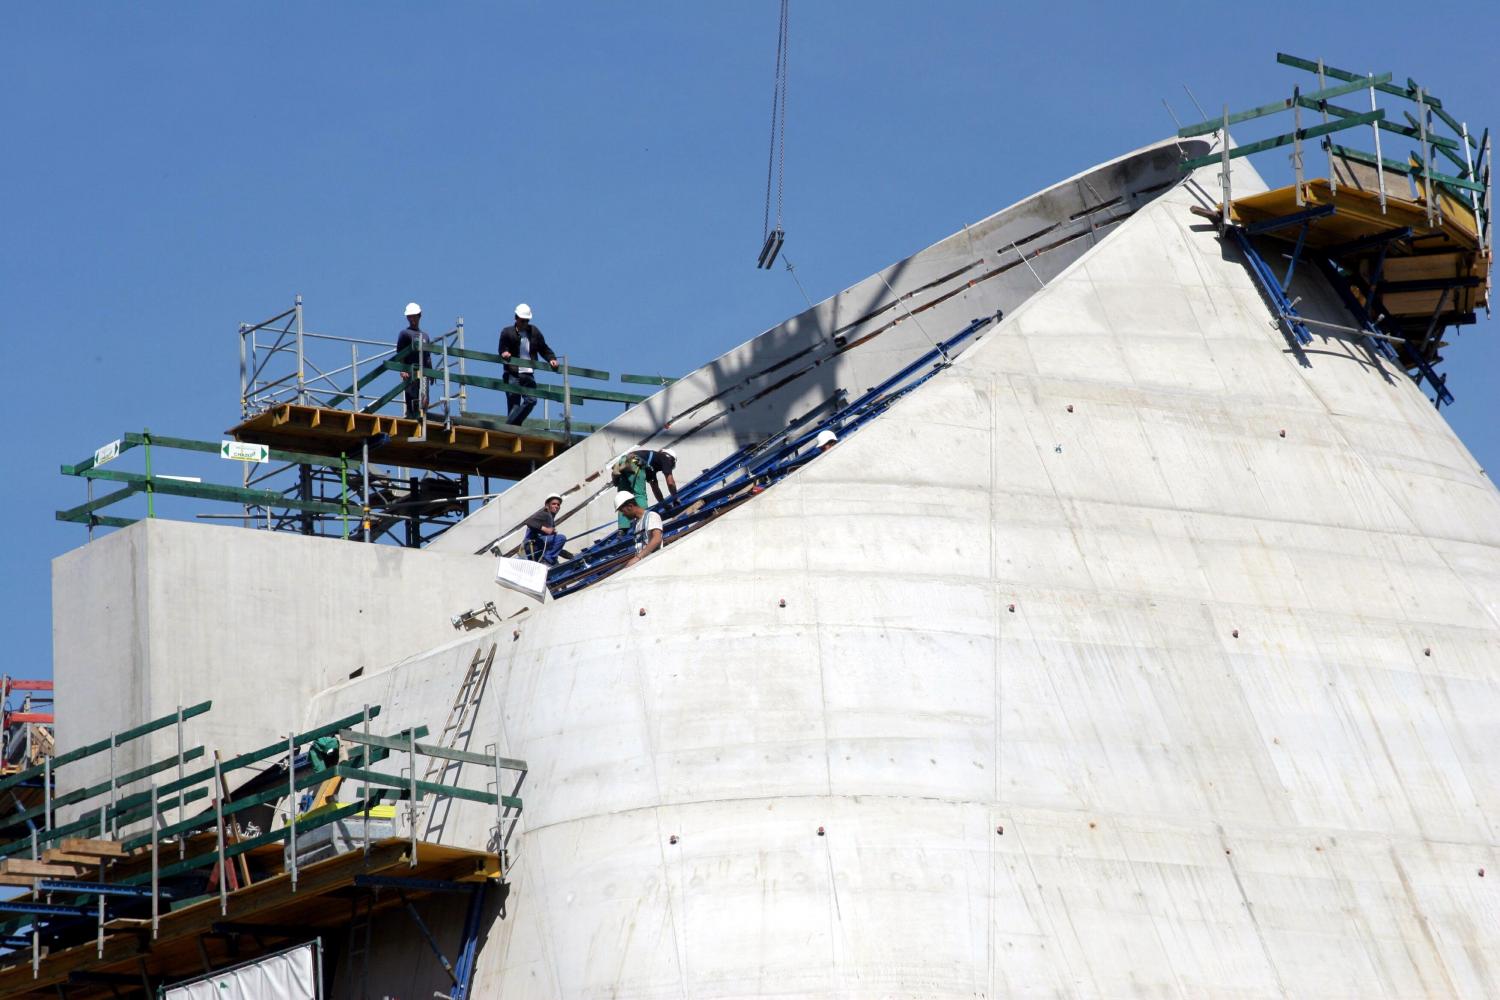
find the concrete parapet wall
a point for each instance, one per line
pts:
(164, 613)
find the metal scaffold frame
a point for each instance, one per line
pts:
(1407, 246)
(136, 875)
(321, 453)
(27, 723)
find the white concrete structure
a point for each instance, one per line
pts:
(167, 614)
(1088, 682)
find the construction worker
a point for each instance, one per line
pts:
(627, 473)
(521, 343)
(827, 439)
(415, 388)
(543, 542)
(645, 525)
(662, 462)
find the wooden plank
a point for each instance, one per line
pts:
(36, 869)
(15, 979)
(175, 952)
(57, 857)
(1427, 266)
(268, 895)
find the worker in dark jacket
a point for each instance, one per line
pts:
(520, 344)
(414, 387)
(543, 542)
(662, 462)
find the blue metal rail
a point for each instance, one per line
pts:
(1285, 311)
(755, 467)
(1442, 396)
(1276, 290)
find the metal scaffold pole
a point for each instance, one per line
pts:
(301, 357)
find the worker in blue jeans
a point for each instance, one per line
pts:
(521, 346)
(543, 542)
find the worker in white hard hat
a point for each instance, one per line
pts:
(520, 344)
(543, 542)
(645, 525)
(415, 389)
(827, 439)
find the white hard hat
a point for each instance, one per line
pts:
(669, 453)
(523, 311)
(554, 496)
(826, 437)
(623, 497)
(412, 309)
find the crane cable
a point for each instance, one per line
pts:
(776, 158)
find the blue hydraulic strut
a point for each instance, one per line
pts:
(1286, 312)
(1443, 397)
(764, 463)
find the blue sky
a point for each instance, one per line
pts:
(172, 170)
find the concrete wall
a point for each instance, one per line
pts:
(166, 613)
(1137, 698)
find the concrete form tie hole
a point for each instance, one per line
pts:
(1283, 433)
(820, 831)
(1235, 633)
(1011, 608)
(643, 612)
(1426, 650)
(672, 839)
(781, 603)
(1000, 831)
(1070, 407)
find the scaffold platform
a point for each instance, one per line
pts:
(1423, 268)
(258, 918)
(499, 451)
(296, 842)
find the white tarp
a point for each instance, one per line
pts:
(523, 575)
(287, 975)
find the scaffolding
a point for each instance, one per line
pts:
(1407, 244)
(284, 844)
(324, 445)
(26, 706)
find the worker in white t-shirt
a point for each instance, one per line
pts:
(645, 525)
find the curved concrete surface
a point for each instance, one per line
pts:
(1089, 682)
(852, 340)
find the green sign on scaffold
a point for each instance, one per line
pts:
(242, 451)
(108, 453)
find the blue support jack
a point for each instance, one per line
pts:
(461, 970)
(1286, 313)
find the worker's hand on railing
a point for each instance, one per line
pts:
(505, 355)
(553, 363)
